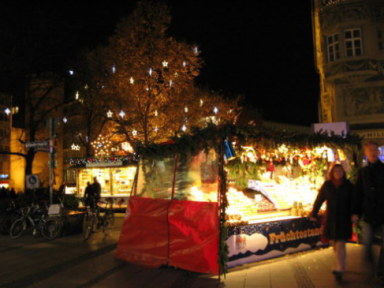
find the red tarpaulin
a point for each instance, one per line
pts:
(186, 236)
(194, 236)
(144, 235)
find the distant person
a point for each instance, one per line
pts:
(368, 205)
(96, 188)
(89, 195)
(337, 191)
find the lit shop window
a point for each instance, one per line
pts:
(353, 43)
(333, 47)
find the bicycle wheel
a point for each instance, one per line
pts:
(108, 221)
(51, 228)
(17, 228)
(88, 224)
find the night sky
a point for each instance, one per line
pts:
(264, 53)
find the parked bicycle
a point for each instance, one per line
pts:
(97, 217)
(36, 219)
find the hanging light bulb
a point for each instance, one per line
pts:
(131, 80)
(122, 114)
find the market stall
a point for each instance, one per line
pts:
(234, 194)
(115, 174)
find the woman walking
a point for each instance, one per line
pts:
(337, 191)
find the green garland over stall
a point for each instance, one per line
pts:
(212, 137)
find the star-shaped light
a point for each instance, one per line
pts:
(165, 63)
(75, 147)
(134, 132)
(109, 114)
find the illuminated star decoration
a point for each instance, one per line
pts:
(101, 146)
(109, 114)
(165, 63)
(75, 147)
(134, 132)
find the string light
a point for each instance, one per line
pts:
(184, 128)
(156, 113)
(109, 114)
(113, 69)
(65, 120)
(186, 109)
(7, 111)
(134, 132)
(156, 129)
(71, 72)
(150, 71)
(131, 80)
(77, 95)
(201, 102)
(122, 114)
(215, 110)
(184, 63)
(170, 83)
(165, 63)
(86, 86)
(196, 50)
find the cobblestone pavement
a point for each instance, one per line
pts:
(71, 262)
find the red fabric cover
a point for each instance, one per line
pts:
(144, 235)
(194, 236)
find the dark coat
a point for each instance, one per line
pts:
(338, 225)
(368, 200)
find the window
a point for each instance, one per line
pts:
(353, 43)
(333, 47)
(380, 40)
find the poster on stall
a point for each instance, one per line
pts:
(255, 242)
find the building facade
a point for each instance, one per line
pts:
(348, 40)
(5, 138)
